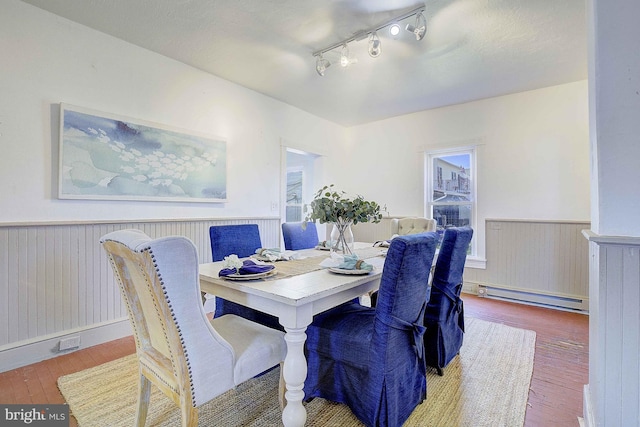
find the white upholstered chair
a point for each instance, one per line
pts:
(189, 358)
(412, 225)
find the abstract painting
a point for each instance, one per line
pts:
(108, 157)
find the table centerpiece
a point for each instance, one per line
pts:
(331, 206)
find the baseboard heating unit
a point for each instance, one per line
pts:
(561, 302)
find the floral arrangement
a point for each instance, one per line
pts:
(329, 205)
(232, 261)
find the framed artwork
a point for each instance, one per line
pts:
(108, 157)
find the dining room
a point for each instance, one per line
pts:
(534, 159)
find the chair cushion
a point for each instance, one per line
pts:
(254, 345)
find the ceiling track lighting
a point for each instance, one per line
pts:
(419, 29)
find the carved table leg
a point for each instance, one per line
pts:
(295, 372)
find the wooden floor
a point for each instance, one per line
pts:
(555, 399)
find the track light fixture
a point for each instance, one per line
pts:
(322, 65)
(419, 29)
(374, 45)
(344, 56)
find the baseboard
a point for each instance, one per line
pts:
(26, 353)
(587, 410)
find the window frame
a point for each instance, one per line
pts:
(429, 171)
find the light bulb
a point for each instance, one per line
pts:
(394, 29)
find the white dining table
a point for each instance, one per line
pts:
(295, 300)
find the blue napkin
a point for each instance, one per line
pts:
(248, 267)
(351, 262)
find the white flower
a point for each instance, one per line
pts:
(232, 261)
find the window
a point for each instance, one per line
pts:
(451, 201)
(301, 168)
(294, 196)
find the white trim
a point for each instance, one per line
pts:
(25, 353)
(429, 156)
(133, 221)
(476, 262)
(587, 412)
(308, 149)
(611, 240)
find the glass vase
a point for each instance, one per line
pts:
(341, 239)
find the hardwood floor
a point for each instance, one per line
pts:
(555, 399)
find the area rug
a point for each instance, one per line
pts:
(486, 385)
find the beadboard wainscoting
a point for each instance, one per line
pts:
(611, 397)
(58, 289)
(531, 261)
(537, 262)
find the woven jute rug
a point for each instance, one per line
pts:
(486, 385)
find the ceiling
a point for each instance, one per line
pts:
(473, 49)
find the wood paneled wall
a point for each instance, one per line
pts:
(612, 395)
(55, 278)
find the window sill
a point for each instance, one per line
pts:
(475, 262)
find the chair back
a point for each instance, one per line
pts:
(444, 316)
(239, 239)
(159, 282)
(405, 279)
(296, 236)
(452, 257)
(412, 225)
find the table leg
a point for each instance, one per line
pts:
(295, 372)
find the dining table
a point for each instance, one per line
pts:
(298, 289)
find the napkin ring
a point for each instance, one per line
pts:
(359, 264)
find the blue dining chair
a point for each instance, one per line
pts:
(444, 316)
(371, 359)
(298, 237)
(242, 240)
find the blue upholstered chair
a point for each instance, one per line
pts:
(371, 359)
(444, 317)
(242, 240)
(296, 237)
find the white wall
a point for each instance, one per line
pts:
(533, 161)
(48, 60)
